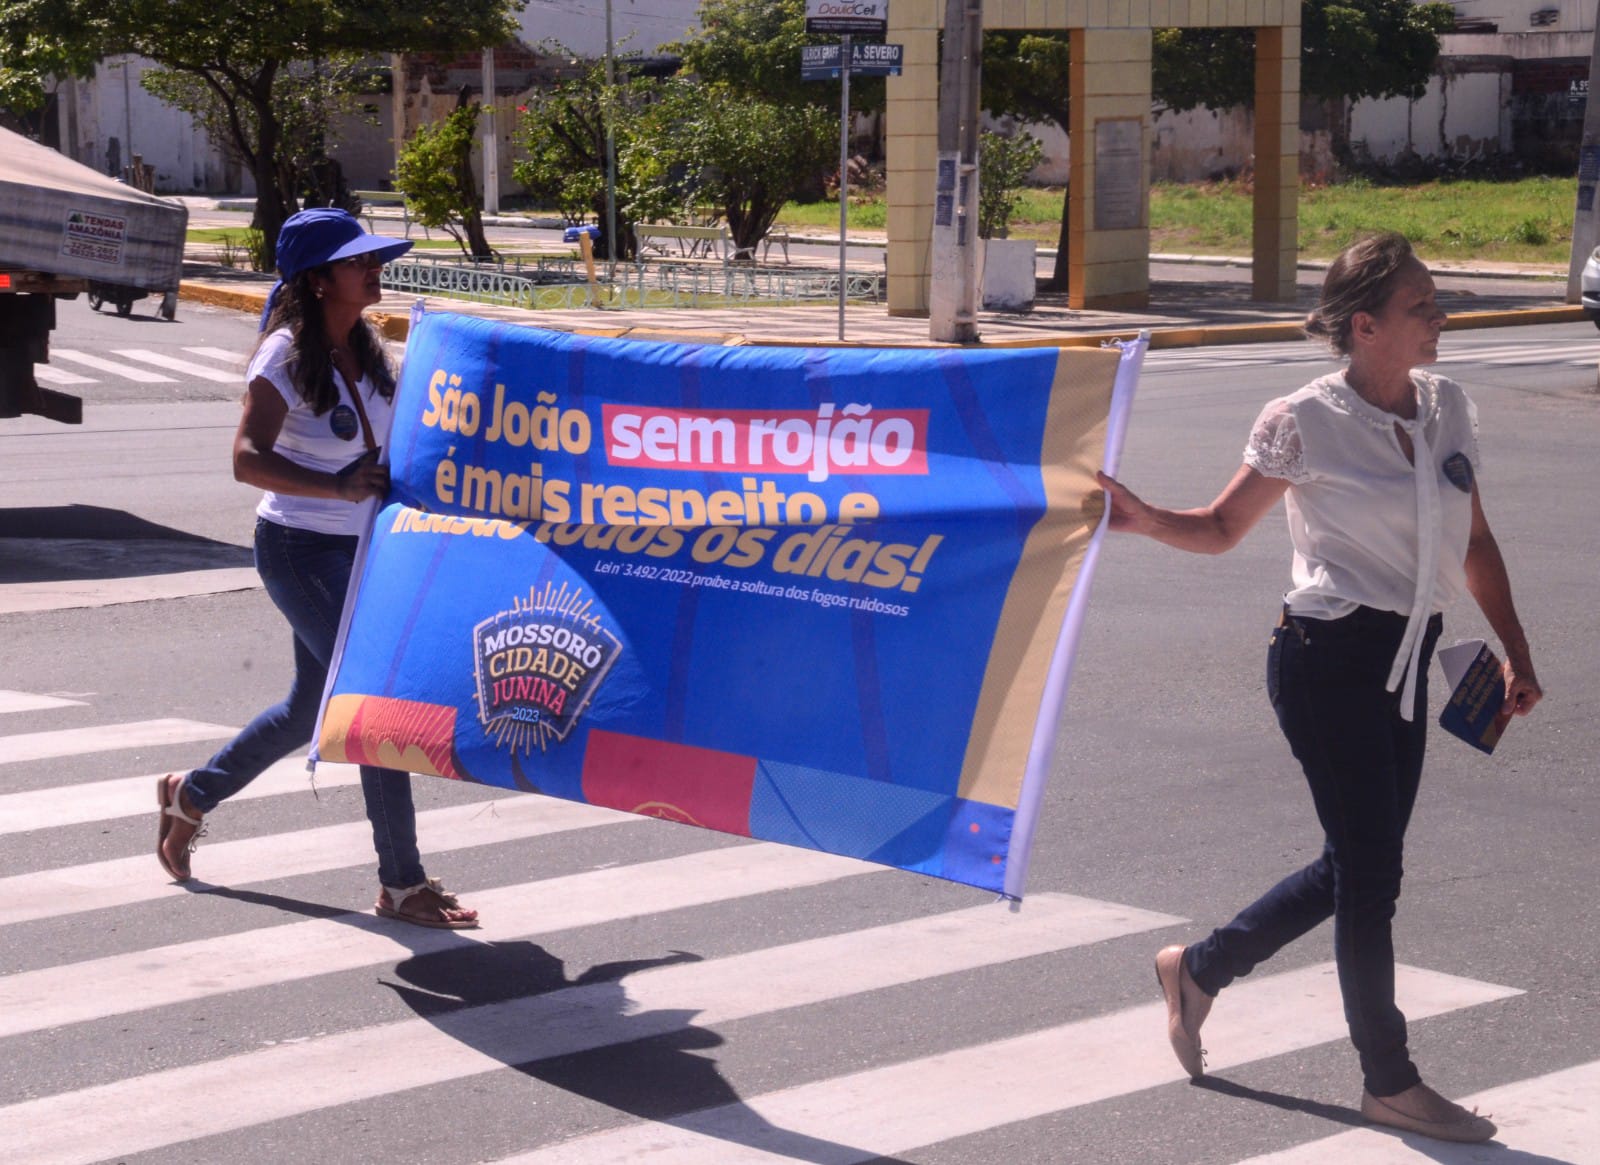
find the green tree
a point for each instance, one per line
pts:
(1350, 49)
(435, 172)
(1003, 167)
(242, 53)
(1025, 76)
(305, 101)
(28, 58)
(562, 135)
(753, 47)
(681, 145)
(743, 155)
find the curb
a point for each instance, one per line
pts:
(397, 326)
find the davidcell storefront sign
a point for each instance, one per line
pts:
(850, 17)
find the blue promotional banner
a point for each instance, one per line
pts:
(824, 597)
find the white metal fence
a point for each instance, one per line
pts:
(554, 283)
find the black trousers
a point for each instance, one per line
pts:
(1363, 763)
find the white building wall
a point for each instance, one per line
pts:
(107, 118)
(1467, 118)
(1464, 118)
(1523, 15)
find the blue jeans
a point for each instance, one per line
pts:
(1363, 762)
(306, 575)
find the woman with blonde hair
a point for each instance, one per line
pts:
(1377, 467)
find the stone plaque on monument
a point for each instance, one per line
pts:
(1118, 174)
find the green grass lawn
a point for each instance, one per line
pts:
(1528, 220)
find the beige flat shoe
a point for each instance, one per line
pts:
(1186, 1010)
(1419, 1109)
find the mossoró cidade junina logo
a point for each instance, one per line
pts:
(538, 665)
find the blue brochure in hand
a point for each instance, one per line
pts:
(1477, 690)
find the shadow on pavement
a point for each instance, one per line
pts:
(1443, 1152)
(654, 1074)
(61, 543)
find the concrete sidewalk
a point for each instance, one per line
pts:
(1194, 301)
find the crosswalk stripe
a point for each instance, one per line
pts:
(1550, 1118)
(222, 354)
(1515, 355)
(122, 881)
(133, 797)
(45, 374)
(32, 746)
(203, 371)
(127, 371)
(136, 1115)
(185, 972)
(32, 702)
(892, 1110)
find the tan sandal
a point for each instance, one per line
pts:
(176, 826)
(398, 897)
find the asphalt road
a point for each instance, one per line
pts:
(637, 1003)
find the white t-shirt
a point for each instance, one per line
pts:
(1368, 526)
(326, 443)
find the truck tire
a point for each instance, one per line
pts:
(124, 307)
(95, 301)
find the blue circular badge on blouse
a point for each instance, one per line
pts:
(344, 423)
(1459, 470)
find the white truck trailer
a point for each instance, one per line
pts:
(67, 230)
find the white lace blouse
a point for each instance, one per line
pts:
(1370, 528)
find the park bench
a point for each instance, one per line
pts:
(775, 238)
(673, 241)
(371, 198)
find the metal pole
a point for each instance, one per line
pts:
(491, 139)
(611, 157)
(127, 112)
(953, 293)
(844, 166)
(397, 108)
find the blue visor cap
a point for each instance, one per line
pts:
(325, 234)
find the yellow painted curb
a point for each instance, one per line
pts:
(1566, 313)
(246, 301)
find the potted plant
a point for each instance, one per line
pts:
(1004, 163)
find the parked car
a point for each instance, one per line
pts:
(1590, 284)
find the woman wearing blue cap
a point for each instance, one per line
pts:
(316, 407)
